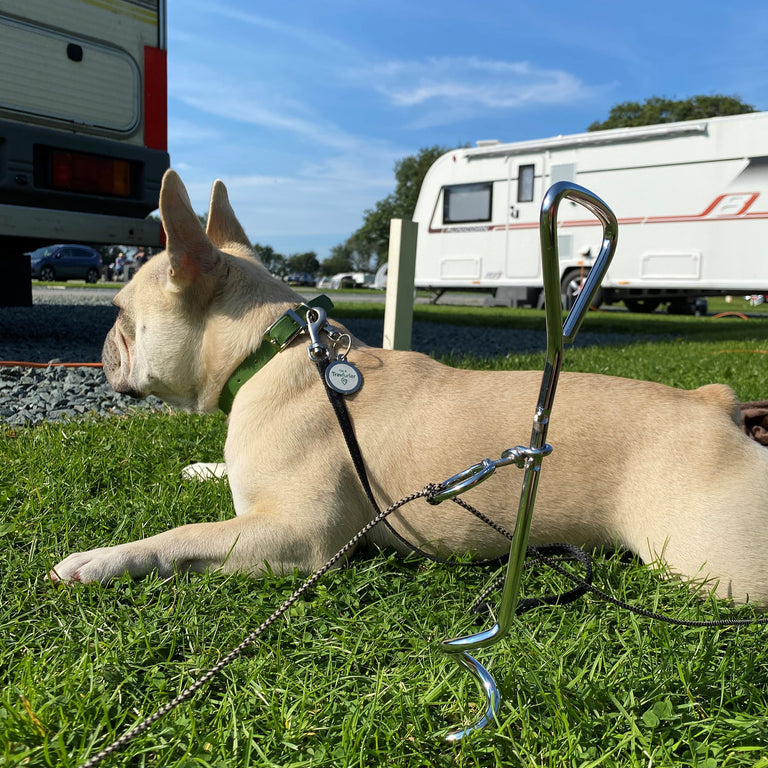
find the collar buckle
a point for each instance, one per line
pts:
(287, 327)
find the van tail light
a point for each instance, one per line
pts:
(90, 174)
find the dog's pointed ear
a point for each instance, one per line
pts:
(190, 251)
(223, 226)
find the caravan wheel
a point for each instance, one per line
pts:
(571, 285)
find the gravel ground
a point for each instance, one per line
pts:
(64, 326)
(70, 326)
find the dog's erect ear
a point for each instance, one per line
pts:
(190, 251)
(223, 226)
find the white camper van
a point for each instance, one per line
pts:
(691, 199)
(83, 127)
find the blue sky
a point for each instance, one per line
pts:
(303, 108)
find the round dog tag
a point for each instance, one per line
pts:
(343, 377)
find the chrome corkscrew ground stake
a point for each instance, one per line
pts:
(530, 458)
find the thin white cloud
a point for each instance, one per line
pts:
(459, 83)
(255, 102)
(304, 35)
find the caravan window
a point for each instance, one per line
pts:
(525, 184)
(463, 203)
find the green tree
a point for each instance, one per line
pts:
(655, 110)
(369, 246)
(340, 260)
(274, 262)
(303, 262)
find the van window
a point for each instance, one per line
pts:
(464, 203)
(525, 183)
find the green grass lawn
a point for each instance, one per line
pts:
(353, 676)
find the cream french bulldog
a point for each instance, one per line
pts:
(663, 472)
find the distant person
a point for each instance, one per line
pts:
(107, 269)
(141, 257)
(120, 263)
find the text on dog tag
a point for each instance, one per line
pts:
(343, 377)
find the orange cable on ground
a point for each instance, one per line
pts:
(20, 364)
(730, 314)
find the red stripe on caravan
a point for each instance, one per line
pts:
(155, 98)
(742, 214)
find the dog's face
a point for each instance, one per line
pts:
(161, 343)
(150, 349)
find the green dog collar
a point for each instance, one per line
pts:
(276, 338)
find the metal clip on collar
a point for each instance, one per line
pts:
(530, 458)
(316, 317)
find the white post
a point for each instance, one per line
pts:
(401, 267)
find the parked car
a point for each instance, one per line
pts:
(299, 278)
(351, 280)
(66, 262)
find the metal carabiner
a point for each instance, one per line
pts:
(463, 481)
(474, 475)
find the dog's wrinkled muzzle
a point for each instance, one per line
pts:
(115, 358)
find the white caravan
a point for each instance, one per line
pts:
(691, 199)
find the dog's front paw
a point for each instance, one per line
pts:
(202, 470)
(96, 565)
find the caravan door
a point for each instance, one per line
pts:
(524, 193)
